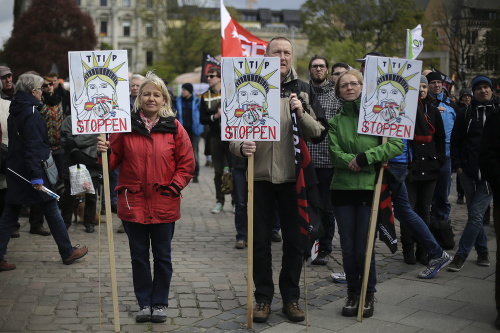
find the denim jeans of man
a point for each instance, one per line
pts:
(324, 176)
(240, 191)
(151, 290)
(195, 140)
(265, 194)
(352, 224)
(409, 219)
(54, 221)
(478, 195)
(440, 203)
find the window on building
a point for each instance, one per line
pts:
(126, 3)
(104, 2)
(126, 28)
(104, 28)
(78, 2)
(471, 61)
(149, 3)
(472, 36)
(149, 30)
(249, 18)
(276, 19)
(149, 58)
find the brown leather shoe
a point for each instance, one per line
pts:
(4, 266)
(261, 312)
(40, 231)
(78, 252)
(293, 311)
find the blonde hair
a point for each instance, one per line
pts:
(353, 72)
(152, 78)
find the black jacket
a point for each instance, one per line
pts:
(26, 150)
(429, 157)
(489, 151)
(466, 136)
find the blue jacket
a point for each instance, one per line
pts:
(25, 157)
(197, 128)
(449, 116)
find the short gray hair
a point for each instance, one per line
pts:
(28, 82)
(137, 76)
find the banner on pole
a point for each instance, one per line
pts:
(236, 40)
(414, 42)
(208, 62)
(390, 96)
(250, 99)
(100, 101)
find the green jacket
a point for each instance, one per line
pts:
(345, 143)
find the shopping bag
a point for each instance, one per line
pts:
(80, 180)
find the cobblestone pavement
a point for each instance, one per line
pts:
(208, 291)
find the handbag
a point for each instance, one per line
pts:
(49, 166)
(80, 180)
(227, 182)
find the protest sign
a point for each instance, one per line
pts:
(250, 99)
(389, 98)
(100, 101)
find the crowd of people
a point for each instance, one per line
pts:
(150, 166)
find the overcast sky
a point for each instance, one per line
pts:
(7, 7)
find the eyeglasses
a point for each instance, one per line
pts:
(353, 84)
(45, 85)
(318, 66)
(211, 76)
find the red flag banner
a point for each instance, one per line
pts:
(236, 40)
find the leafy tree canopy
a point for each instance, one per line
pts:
(344, 30)
(44, 34)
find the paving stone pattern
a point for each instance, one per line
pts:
(208, 291)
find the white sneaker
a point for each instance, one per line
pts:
(338, 277)
(218, 208)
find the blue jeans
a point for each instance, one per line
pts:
(113, 182)
(240, 202)
(54, 221)
(150, 290)
(353, 223)
(478, 195)
(265, 196)
(409, 219)
(440, 203)
(324, 176)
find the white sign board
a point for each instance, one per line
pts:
(389, 98)
(250, 99)
(100, 101)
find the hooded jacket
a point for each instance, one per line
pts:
(467, 133)
(345, 143)
(151, 165)
(26, 150)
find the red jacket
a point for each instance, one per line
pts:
(154, 168)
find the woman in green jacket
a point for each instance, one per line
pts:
(355, 158)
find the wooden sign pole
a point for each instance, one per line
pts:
(250, 244)
(111, 244)
(371, 239)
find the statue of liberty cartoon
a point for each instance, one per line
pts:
(390, 95)
(97, 98)
(248, 106)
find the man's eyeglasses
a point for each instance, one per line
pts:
(46, 85)
(211, 76)
(318, 66)
(353, 84)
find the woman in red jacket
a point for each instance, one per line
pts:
(156, 162)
